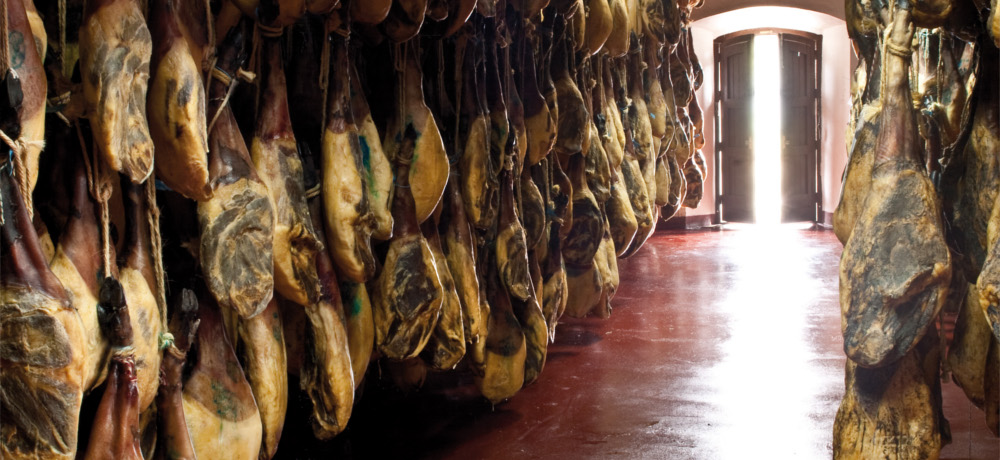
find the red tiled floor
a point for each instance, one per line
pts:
(721, 345)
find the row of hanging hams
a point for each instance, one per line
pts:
(214, 210)
(917, 217)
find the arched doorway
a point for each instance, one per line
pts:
(767, 126)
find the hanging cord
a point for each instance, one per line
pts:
(401, 55)
(460, 46)
(62, 38)
(4, 45)
(255, 66)
(210, 58)
(230, 83)
(156, 241)
(99, 185)
(17, 148)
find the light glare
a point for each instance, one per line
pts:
(767, 129)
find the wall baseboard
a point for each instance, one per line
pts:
(687, 222)
(827, 220)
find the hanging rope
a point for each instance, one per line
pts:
(99, 185)
(4, 45)
(459, 80)
(230, 83)
(324, 74)
(156, 243)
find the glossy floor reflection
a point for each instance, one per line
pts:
(721, 345)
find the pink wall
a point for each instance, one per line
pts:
(835, 91)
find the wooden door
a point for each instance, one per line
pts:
(800, 130)
(733, 122)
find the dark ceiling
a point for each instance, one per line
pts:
(834, 8)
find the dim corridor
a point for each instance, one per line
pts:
(721, 345)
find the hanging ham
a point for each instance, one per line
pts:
(429, 171)
(41, 380)
(237, 223)
(173, 436)
(219, 406)
(894, 277)
(115, 432)
(176, 105)
(79, 253)
(115, 49)
(275, 157)
(26, 59)
(139, 282)
(407, 295)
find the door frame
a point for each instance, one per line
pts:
(717, 127)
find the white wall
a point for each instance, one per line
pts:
(835, 91)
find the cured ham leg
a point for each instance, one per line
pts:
(137, 278)
(237, 223)
(378, 170)
(219, 406)
(573, 132)
(276, 159)
(662, 181)
(972, 356)
(479, 173)
(554, 290)
(505, 353)
(536, 335)
(404, 20)
(360, 327)
(407, 296)
(511, 247)
(622, 222)
(327, 375)
(896, 267)
(894, 278)
(260, 344)
(79, 253)
(539, 123)
(907, 392)
(447, 345)
(173, 438)
(857, 178)
(369, 11)
(26, 59)
(355, 313)
(115, 49)
(350, 220)
(430, 169)
(634, 182)
(580, 245)
(176, 102)
(459, 250)
(41, 379)
(532, 210)
(695, 179)
(116, 425)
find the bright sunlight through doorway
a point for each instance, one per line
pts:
(767, 129)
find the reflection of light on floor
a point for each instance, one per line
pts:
(767, 129)
(768, 379)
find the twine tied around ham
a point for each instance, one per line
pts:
(99, 185)
(166, 339)
(229, 82)
(897, 50)
(17, 147)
